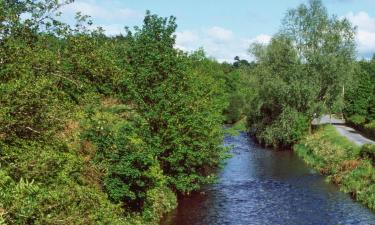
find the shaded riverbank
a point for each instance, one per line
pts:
(260, 186)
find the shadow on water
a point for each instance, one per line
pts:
(260, 186)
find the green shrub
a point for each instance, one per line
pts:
(368, 151)
(26, 202)
(159, 201)
(184, 118)
(68, 158)
(357, 120)
(290, 127)
(132, 170)
(45, 164)
(370, 128)
(234, 112)
(31, 108)
(326, 150)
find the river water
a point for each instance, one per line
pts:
(261, 186)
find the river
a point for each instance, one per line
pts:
(262, 186)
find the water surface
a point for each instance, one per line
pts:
(260, 186)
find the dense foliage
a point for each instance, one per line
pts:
(360, 98)
(97, 129)
(301, 74)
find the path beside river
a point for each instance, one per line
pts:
(351, 134)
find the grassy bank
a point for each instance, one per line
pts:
(335, 156)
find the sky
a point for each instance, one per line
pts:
(225, 29)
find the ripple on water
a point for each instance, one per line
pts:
(259, 186)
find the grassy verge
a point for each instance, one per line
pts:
(335, 156)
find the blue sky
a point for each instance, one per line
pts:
(223, 28)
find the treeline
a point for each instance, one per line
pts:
(104, 130)
(360, 98)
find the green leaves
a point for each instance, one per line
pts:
(360, 93)
(302, 73)
(327, 46)
(96, 129)
(181, 104)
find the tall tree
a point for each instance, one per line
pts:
(182, 107)
(302, 73)
(326, 44)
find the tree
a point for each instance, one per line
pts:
(325, 44)
(359, 96)
(182, 107)
(240, 62)
(285, 96)
(301, 73)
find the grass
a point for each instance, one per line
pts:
(338, 158)
(237, 128)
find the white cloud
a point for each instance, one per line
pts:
(362, 20)
(218, 42)
(262, 39)
(106, 16)
(186, 37)
(365, 33)
(366, 42)
(93, 9)
(220, 34)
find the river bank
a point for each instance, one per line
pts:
(335, 156)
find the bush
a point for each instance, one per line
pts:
(368, 151)
(45, 164)
(120, 148)
(184, 118)
(370, 128)
(290, 127)
(31, 108)
(42, 185)
(66, 157)
(234, 112)
(326, 150)
(357, 120)
(360, 182)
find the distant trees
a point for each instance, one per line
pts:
(242, 63)
(360, 94)
(360, 97)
